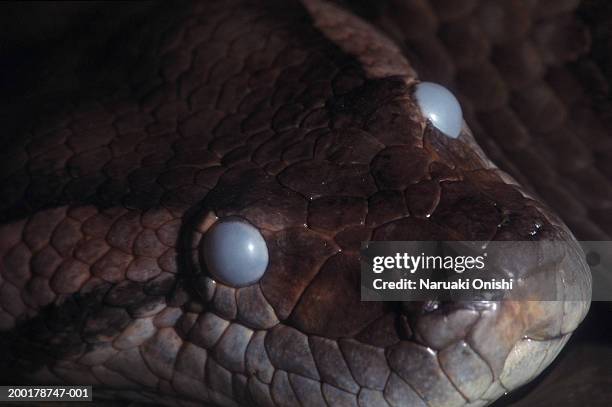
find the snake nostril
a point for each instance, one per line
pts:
(235, 252)
(440, 107)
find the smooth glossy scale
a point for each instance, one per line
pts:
(235, 252)
(441, 107)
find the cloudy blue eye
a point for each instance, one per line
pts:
(235, 253)
(441, 107)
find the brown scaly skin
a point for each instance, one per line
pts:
(533, 79)
(300, 119)
(532, 93)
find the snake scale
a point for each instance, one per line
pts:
(122, 149)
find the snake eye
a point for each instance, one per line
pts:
(441, 107)
(235, 253)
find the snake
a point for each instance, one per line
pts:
(296, 122)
